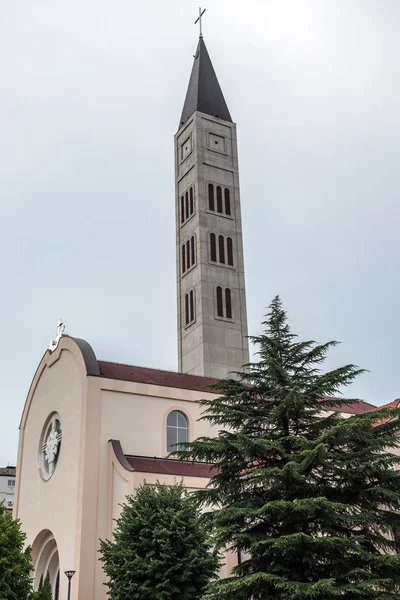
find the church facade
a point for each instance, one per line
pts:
(92, 431)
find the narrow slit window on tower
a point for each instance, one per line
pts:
(188, 254)
(213, 248)
(186, 309)
(182, 209)
(228, 303)
(219, 199)
(191, 207)
(187, 205)
(192, 248)
(221, 248)
(227, 202)
(211, 205)
(183, 258)
(229, 251)
(191, 305)
(220, 310)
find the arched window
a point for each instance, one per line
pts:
(186, 309)
(183, 258)
(187, 204)
(211, 197)
(191, 305)
(192, 250)
(188, 254)
(229, 250)
(227, 202)
(177, 430)
(220, 309)
(228, 303)
(219, 199)
(182, 209)
(191, 201)
(213, 248)
(221, 248)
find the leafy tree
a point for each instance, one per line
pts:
(310, 499)
(15, 561)
(161, 549)
(44, 590)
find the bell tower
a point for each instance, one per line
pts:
(212, 320)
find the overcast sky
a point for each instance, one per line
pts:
(91, 95)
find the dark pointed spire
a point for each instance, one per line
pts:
(204, 93)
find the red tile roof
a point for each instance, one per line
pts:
(394, 404)
(355, 408)
(7, 471)
(168, 466)
(154, 376)
(184, 381)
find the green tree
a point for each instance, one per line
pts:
(15, 561)
(161, 549)
(310, 499)
(44, 590)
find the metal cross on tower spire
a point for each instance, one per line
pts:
(198, 20)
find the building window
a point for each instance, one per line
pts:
(213, 248)
(221, 248)
(229, 250)
(225, 252)
(223, 197)
(188, 254)
(191, 305)
(183, 258)
(220, 308)
(219, 199)
(211, 197)
(227, 202)
(187, 205)
(228, 303)
(191, 206)
(189, 308)
(224, 302)
(11, 483)
(177, 430)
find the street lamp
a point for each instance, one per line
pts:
(70, 575)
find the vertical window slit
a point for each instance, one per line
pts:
(182, 209)
(220, 311)
(183, 258)
(219, 199)
(188, 254)
(211, 197)
(228, 303)
(227, 202)
(191, 201)
(186, 309)
(187, 205)
(221, 247)
(213, 248)
(192, 250)
(191, 304)
(229, 248)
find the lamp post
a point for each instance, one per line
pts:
(70, 575)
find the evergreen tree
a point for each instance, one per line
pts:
(44, 591)
(15, 561)
(310, 499)
(161, 549)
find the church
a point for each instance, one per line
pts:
(91, 430)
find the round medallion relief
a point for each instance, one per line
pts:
(49, 446)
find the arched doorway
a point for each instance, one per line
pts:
(46, 560)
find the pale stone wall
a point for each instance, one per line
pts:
(52, 505)
(212, 346)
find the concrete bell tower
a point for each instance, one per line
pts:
(212, 320)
